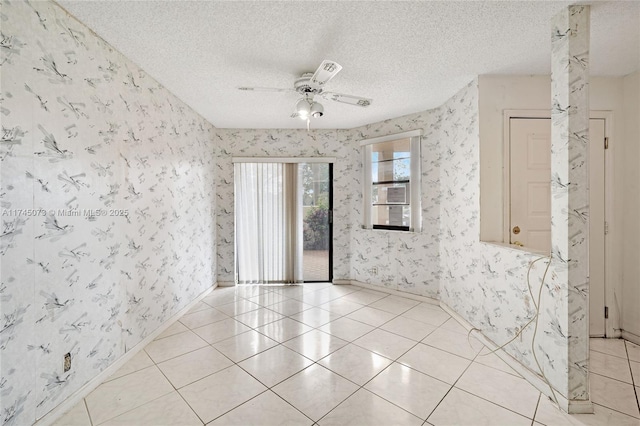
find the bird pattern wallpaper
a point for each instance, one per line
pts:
(404, 261)
(569, 184)
(108, 198)
(285, 143)
(488, 285)
(117, 211)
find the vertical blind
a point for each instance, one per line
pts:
(268, 223)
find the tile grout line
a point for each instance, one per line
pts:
(396, 359)
(313, 362)
(337, 374)
(168, 359)
(252, 328)
(287, 402)
(619, 359)
(636, 418)
(612, 378)
(311, 306)
(310, 365)
(535, 412)
(451, 387)
(138, 406)
(633, 382)
(86, 407)
(234, 363)
(169, 381)
(190, 407)
(483, 398)
(255, 378)
(362, 387)
(178, 392)
(609, 354)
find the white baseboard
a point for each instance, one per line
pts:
(341, 282)
(633, 338)
(226, 284)
(85, 390)
(382, 289)
(568, 406)
(580, 407)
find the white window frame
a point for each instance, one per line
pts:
(415, 137)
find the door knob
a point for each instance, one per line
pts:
(516, 230)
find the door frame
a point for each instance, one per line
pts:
(262, 159)
(612, 324)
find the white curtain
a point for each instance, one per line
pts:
(268, 223)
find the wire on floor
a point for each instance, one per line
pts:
(533, 320)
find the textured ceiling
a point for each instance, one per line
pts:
(406, 56)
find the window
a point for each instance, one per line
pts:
(392, 182)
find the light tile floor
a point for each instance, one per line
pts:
(336, 355)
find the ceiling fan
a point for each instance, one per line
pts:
(310, 85)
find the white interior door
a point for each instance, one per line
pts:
(531, 183)
(530, 200)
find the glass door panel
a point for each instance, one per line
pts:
(317, 207)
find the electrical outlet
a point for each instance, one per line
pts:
(67, 362)
(374, 270)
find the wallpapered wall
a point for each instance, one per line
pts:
(570, 189)
(85, 131)
(405, 261)
(286, 143)
(486, 284)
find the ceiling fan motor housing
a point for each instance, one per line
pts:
(310, 84)
(304, 87)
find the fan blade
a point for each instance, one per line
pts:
(325, 72)
(347, 99)
(264, 89)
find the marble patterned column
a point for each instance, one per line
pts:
(570, 194)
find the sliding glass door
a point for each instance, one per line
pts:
(317, 221)
(283, 222)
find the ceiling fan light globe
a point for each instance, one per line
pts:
(317, 110)
(303, 108)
